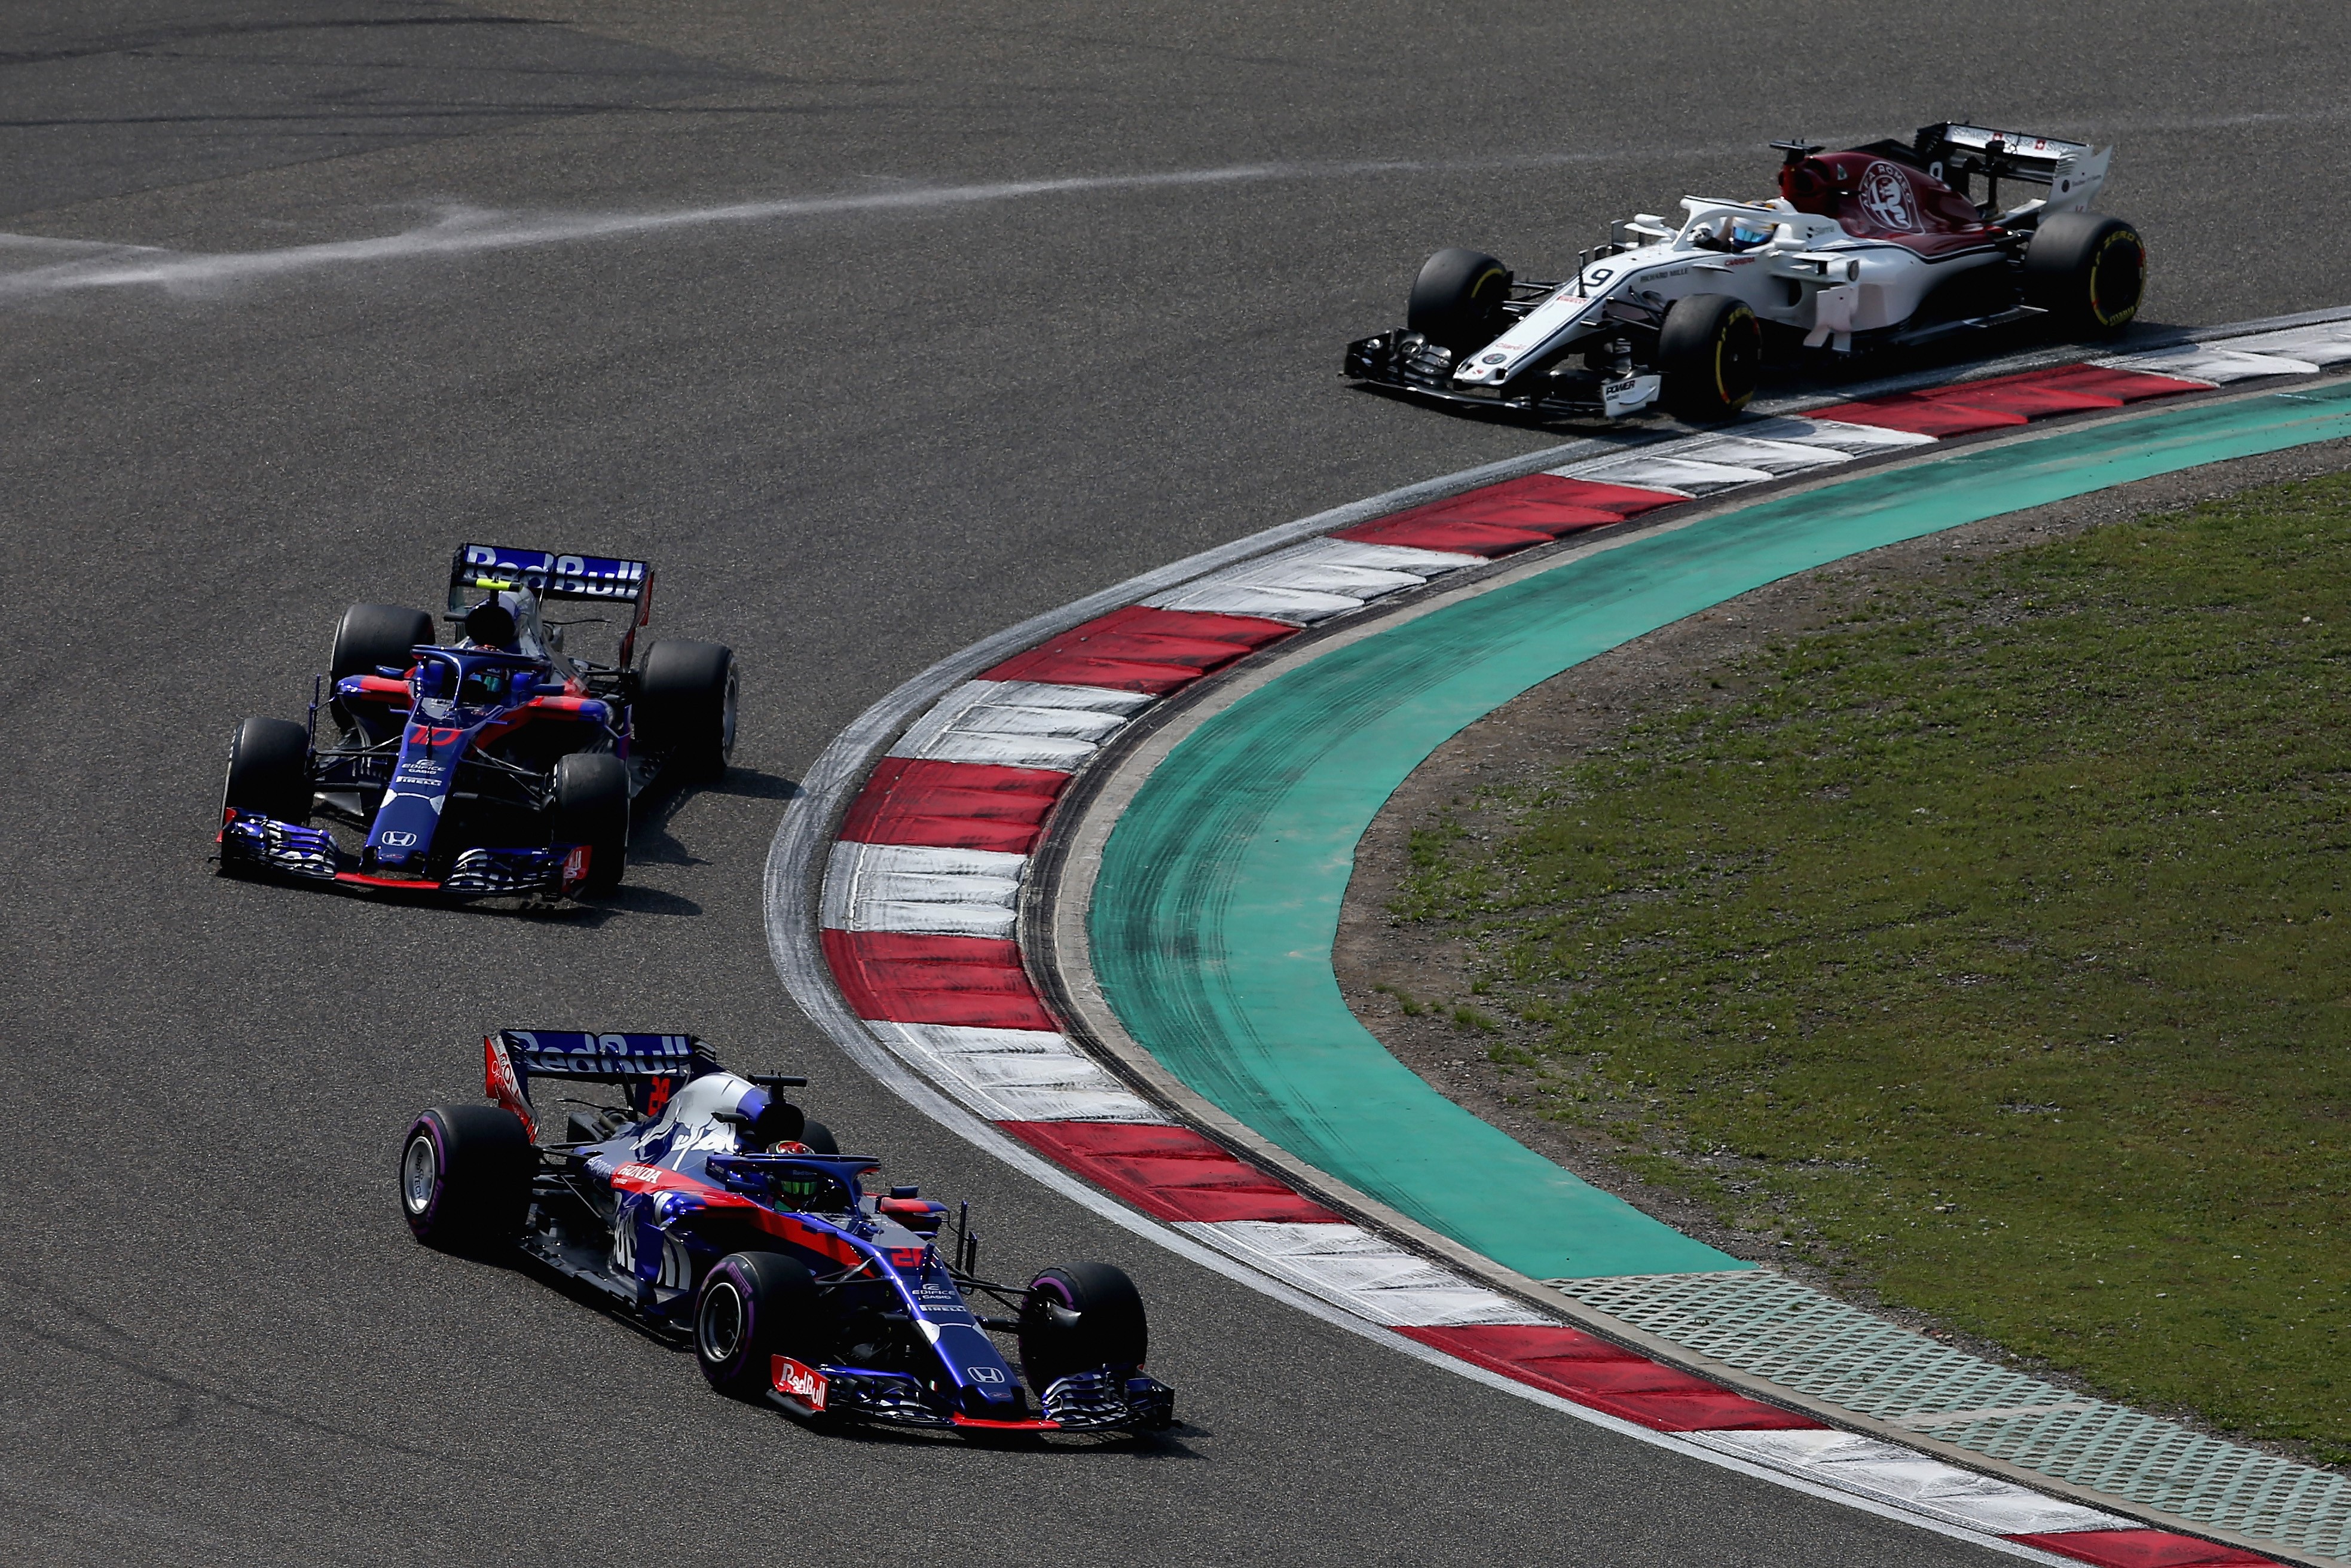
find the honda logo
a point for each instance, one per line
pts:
(400, 841)
(985, 1373)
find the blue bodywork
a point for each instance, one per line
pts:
(480, 729)
(643, 1211)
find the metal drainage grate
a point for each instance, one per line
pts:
(1769, 1326)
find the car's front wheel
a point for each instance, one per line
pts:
(2087, 271)
(1079, 1318)
(1710, 354)
(1457, 301)
(268, 771)
(751, 1308)
(591, 808)
(464, 1176)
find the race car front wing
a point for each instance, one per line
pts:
(1098, 1401)
(1408, 362)
(292, 849)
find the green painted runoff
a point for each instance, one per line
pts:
(1220, 893)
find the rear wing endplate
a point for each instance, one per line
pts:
(652, 1066)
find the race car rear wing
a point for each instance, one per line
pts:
(2011, 154)
(652, 1066)
(2072, 171)
(491, 568)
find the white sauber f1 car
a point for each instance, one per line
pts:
(1881, 247)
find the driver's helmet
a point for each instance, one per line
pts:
(1745, 234)
(778, 1126)
(490, 624)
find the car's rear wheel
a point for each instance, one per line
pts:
(1079, 1318)
(591, 808)
(686, 698)
(753, 1307)
(464, 1176)
(372, 638)
(1457, 301)
(819, 1138)
(378, 636)
(2089, 272)
(1709, 354)
(268, 771)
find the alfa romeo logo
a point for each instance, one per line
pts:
(1886, 197)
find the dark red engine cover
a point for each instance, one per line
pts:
(1875, 198)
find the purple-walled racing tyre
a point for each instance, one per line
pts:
(464, 1176)
(1082, 1317)
(753, 1307)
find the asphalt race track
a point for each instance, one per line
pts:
(766, 295)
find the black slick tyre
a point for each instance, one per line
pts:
(464, 1176)
(819, 1138)
(378, 637)
(591, 808)
(370, 639)
(1710, 353)
(2089, 272)
(1080, 1317)
(752, 1307)
(1457, 301)
(686, 697)
(268, 771)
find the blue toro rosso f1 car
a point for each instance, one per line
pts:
(502, 766)
(709, 1208)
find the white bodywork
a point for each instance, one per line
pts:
(690, 1120)
(1810, 273)
(2073, 186)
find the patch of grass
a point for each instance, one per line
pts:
(1996, 939)
(1412, 1006)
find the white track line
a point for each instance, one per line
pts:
(463, 230)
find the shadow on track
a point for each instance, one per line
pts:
(1813, 376)
(1166, 1444)
(651, 843)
